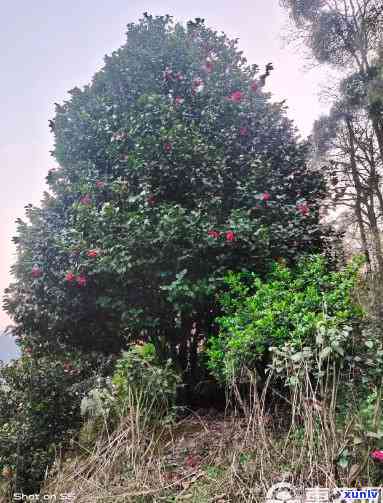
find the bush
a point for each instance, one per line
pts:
(140, 385)
(286, 308)
(39, 411)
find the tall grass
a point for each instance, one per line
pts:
(267, 438)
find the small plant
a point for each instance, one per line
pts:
(141, 383)
(98, 402)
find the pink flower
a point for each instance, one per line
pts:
(168, 74)
(86, 200)
(168, 147)
(303, 209)
(213, 234)
(100, 184)
(81, 280)
(243, 131)
(236, 96)
(254, 86)
(192, 461)
(28, 352)
(197, 86)
(266, 196)
(151, 200)
(208, 66)
(377, 456)
(70, 277)
(36, 272)
(67, 366)
(178, 100)
(119, 136)
(230, 236)
(179, 76)
(92, 253)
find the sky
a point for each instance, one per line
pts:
(51, 47)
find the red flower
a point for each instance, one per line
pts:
(213, 234)
(100, 184)
(197, 86)
(236, 96)
(168, 147)
(192, 461)
(208, 67)
(92, 253)
(28, 351)
(377, 456)
(230, 236)
(266, 196)
(152, 200)
(254, 86)
(243, 131)
(86, 200)
(36, 272)
(178, 100)
(81, 280)
(303, 209)
(70, 277)
(66, 366)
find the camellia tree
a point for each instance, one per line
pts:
(174, 167)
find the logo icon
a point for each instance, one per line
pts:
(282, 493)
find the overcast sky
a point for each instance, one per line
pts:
(50, 47)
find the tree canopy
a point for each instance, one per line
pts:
(174, 167)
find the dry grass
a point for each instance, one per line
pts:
(220, 458)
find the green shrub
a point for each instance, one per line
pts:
(285, 308)
(39, 411)
(142, 384)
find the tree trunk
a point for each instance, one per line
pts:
(358, 189)
(378, 130)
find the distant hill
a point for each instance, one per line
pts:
(8, 348)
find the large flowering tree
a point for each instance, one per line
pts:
(174, 167)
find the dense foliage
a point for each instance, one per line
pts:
(288, 307)
(174, 166)
(39, 412)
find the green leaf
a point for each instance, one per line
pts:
(343, 463)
